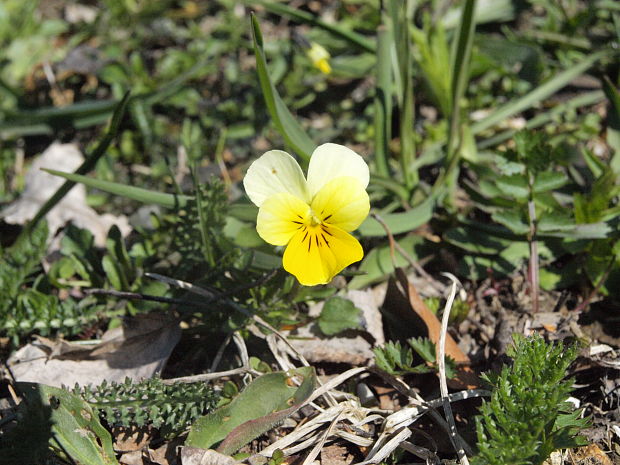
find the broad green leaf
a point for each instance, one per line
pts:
(289, 128)
(539, 94)
(509, 167)
(582, 231)
(512, 219)
(377, 264)
(475, 241)
(130, 192)
(513, 186)
(400, 222)
(337, 315)
(555, 221)
(253, 412)
(113, 273)
(549, 180)
(74, 425)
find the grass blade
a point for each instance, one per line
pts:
(383, 100)
(123, 190)
(461, 54)
(537, 95)
(460, 58)
(400, 15)
(613, 123)
(89, 163)
(353, 37)
(589, 98)
(289, 128)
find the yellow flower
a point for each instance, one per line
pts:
(311, 217)
(319, 57)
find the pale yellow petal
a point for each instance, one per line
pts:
(280, 217)
(342, 202)
(274, 172)
(315, 255)
(331, 161)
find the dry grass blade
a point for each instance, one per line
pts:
(457, 441)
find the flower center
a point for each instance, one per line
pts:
(314, 220)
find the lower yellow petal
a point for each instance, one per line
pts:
(316, 254)
(280, 217)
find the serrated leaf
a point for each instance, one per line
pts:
(424, 347)
(512, 220)
(393, 357)
(75, 428)
(338, 314)
(549, 180)
(262, 404)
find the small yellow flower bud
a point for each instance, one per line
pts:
(319, 57)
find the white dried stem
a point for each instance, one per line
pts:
(456, 440)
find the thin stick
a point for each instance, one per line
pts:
(220, 353)
(140, 296)
(534, 271)
(395, 245)
(443, 384)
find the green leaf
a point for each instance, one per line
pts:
(555, 221)
(74, 425)
(474, 240)
(130, 192)
(265, 402)
(582, 231)
(337, 315)
(424, 347)
(115, 244)
(460, 61)
(512, 219)
(289, 128)
(383, 100)
(549, 180)
(613, 122)
(377, 264)
(513, 186)
(113, 273)
(393, 357)
(400, 222)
